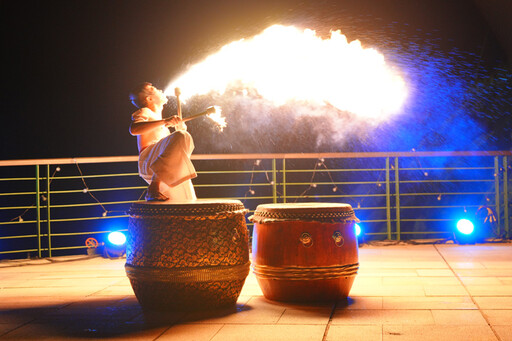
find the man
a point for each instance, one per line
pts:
(164, 158)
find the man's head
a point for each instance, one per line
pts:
(145, 94)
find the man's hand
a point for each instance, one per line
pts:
(172, 121)
(176, 122)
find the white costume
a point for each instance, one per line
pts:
(166, 155)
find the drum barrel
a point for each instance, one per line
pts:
(187, 255)
(305, 252)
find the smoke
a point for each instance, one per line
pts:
(255, 124)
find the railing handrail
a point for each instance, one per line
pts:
(249, 156)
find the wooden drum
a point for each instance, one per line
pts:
(187, 255)
(305, 252)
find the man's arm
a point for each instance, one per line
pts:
(143, 127)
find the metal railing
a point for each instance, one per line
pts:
(50, 206)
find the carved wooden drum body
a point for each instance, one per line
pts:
(187, 255)
(305, 252)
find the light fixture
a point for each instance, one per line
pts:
(115, 246)
(465, 232)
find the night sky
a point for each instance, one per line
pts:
(68, 66)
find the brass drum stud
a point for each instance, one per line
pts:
(306, 239)
(338, 238)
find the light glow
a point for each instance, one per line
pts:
(284, 64)
(465, 226)
(117, 238)
(358, 229)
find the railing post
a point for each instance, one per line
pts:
(497, 191)
(505, 196)
(284, 180)
(38, 212)
(397, 199)
(388, 200)
(274, 181)
(48, 210)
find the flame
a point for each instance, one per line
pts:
(217, 118)
(286, 64)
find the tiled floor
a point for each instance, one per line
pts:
(402, 292)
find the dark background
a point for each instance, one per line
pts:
(68, 65)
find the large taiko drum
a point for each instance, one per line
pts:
(304, 252)
(187, 255)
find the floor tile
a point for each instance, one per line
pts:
(84, 331)
(437, 333)
(431, 302)
(52, 291)
(256, 311)
(445, 290)
(252, 289)
(504, 264)
(484, 272)
(489, 302)
(435, 272)
(410, 264)
(504, 332)
(190, 332)
(32, 302)
(95, 308)
(115, 290)
(367, 281)
(403, 290)
(490, 290)
(459, 317)
(350, 333)
(305, 316)
(387, 272)
(420, 280)
(7, 327)
(383, 316)
(481, 281)
(360, 302)
(466, 265)
(500, 317)
(61, 282)
(270, 332)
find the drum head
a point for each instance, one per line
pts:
(308, 211)
(185, 208)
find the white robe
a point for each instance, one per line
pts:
(167, 156)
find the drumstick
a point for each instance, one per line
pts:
(177, 92)
(210, 110)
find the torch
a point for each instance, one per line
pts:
(208, 111)
(213, 113)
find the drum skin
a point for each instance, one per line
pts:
(187, 255)
(305, 252)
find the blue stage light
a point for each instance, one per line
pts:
(117, 238)
(465, 226)
(115, 246)
(358, 229)
(465, 232)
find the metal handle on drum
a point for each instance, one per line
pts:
(338, 239)
(306, 239)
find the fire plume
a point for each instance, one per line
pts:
(217, 118)
(284, 64)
